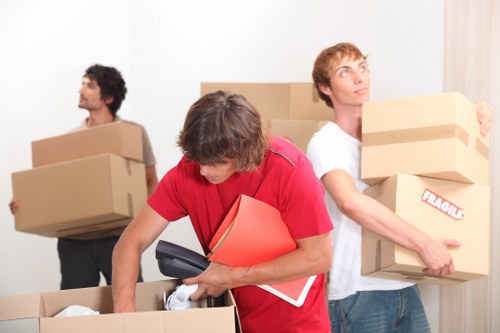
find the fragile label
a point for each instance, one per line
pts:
(442, 205)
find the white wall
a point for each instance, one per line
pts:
(164, 50)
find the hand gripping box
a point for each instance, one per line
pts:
(435, 136)
(120, 138)
(34, 313)
(440, 208)
(79, 196)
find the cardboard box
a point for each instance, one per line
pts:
(69, 198)
(297, 131)
(440, 208)
(435, 136)
(35, 312)
(277, 100)
(120, 138)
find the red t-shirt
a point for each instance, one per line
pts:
(285, 180)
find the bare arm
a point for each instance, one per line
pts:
(312, 256)
(374, 216)
(136, 238)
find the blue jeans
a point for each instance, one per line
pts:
(391, 311)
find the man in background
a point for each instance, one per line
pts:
(83, 257)
(359, 303)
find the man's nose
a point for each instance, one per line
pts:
(358, 77)
(203, 170)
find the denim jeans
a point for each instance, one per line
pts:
(391, 311)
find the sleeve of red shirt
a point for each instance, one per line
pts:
(166, 199)
(305, 210)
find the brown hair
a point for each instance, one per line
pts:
(220, 126)
(327, 59)
(111, 83)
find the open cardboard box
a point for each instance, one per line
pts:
(79, 196)
(120, 138)
(34, 313)
(435, 135)
(440, 208)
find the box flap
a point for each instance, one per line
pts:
(22, 306)
(95, 298)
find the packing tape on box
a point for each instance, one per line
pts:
(423, 134)
(416, 134)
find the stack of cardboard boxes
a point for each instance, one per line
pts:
(82, 182)
(290, 110)
(426, 160)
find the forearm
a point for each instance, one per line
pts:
(434, 253)
(312, 256)
(372, 215)
(124, 277)
(138, 236)
(294, 265)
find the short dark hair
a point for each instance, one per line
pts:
(327, 59)
(110, 82)
(223, 125)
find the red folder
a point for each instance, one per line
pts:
(253, 232)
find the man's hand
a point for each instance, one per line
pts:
(437, 258)
(214, 281)
(484, 117)
(14, 206)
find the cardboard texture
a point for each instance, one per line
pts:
(277, 100)
(297, 131)
(79, 196)
(440, 208)
(35, 312)
(435, 136)
(120, 138)
(251, 233)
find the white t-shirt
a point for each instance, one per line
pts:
(331, 148)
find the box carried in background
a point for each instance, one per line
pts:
(79, 196)
(34, 313)
(440, 208)
(277, 100)
(120, 138)
(297, 131)
(436, 136)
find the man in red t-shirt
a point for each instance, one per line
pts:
(226, 154)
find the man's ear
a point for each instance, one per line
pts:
(108, 100)
(324, 89)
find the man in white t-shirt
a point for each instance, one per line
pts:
(358, 303)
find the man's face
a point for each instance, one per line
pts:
(90, 95)
(218, 172)
(350, 82)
